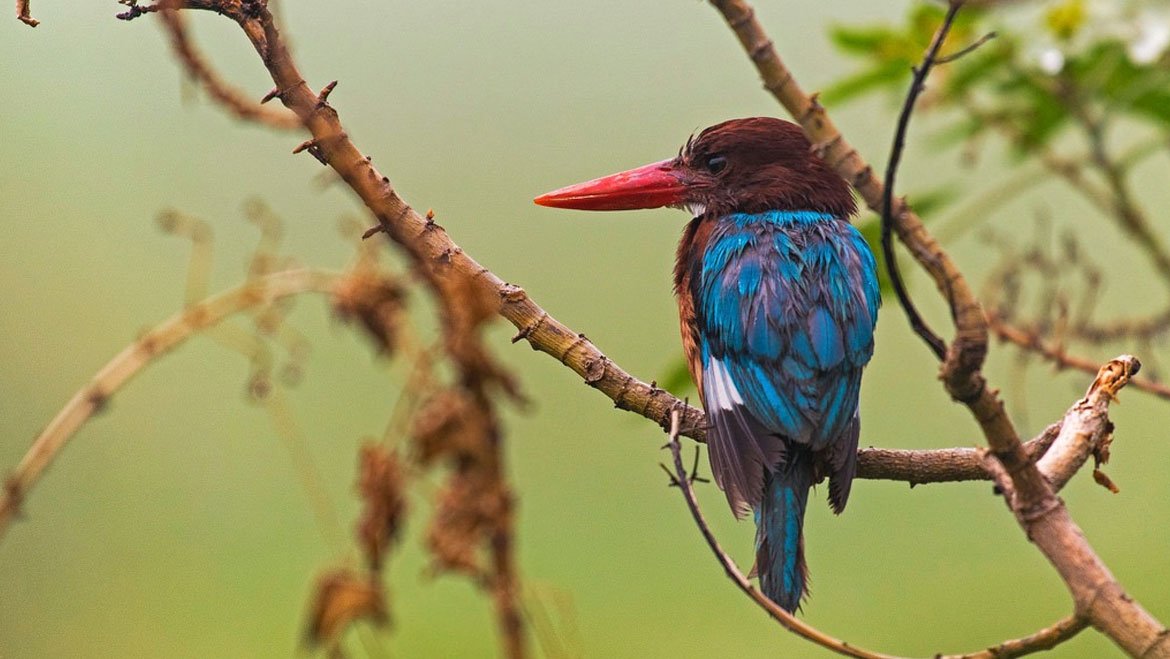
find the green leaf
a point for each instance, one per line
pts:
(864, 41)
(889, 75)
(676, 378)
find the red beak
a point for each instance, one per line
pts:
(650, 186)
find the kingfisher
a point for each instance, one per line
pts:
(777, 297)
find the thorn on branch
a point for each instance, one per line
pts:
(372, 231)
(323, 97)
(270, 95)
(313, 149)
(814, 106)
(530, 328)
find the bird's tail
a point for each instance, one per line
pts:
(779, 534)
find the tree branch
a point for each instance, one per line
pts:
(1061, 359)
(153, 344)
(1044, 639)
(936, 344)
(1097, 595)
(197, 67)
(1086, 428)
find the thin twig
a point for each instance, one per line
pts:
(1045, 639)
(153, 344)
(966, 50)
(1061, 359)
(786, 619)
(936, 344)
(197, 67)
(1042, 640)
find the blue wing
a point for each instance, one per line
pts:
(786, 306)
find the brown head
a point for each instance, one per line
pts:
(739, 166)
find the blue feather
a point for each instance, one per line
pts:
(786, 304)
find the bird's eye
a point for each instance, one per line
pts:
(716, 164)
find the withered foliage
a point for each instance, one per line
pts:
(377, 302)
(454, 429)
(340, 598)
(449, 425)
(381, 485)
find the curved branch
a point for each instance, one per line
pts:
(936, 344)
(1044, 639)
(197, 67)
(786, 619)
(153, 344)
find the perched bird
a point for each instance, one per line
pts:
(777, 298)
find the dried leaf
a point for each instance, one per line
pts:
(468, 511)
(381, 484)
(449, 424)
(341, 598)
(377, 302)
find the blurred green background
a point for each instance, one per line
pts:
(175, 525)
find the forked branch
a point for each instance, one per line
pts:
(1044, 639)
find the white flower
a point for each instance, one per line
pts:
(1149, 38)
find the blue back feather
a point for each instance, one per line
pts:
(788, 299)
(786, 304)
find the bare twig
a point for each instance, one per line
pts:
(966, 50)
(234, 100)
(936, 344)
(786, 619)
(153, 344)
(1044, 639)
(1061, 359)
(946, 465)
